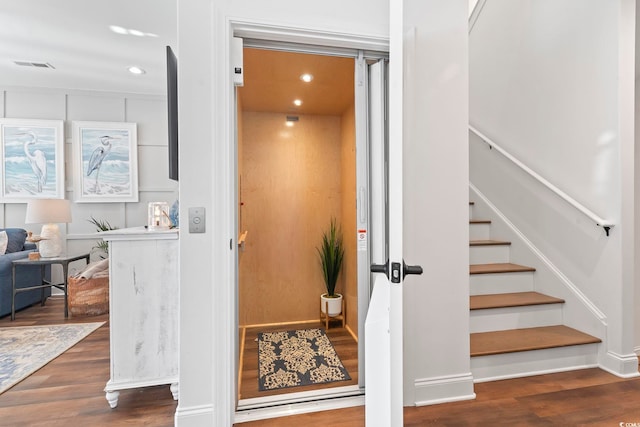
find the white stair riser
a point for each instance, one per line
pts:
(499, 319)
(470, 211)
(537, 362)
(488, 254)
(498, 283)
(480, 231)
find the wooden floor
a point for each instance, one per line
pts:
(587, 397)
(344, 344)
(69, 392)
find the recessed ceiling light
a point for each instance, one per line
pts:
(34, 64)
(129, 31)
(297, 102)
(306, 78)
(289, 124)
(118, 30)
(136, 70)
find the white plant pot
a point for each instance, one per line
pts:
(335, 304)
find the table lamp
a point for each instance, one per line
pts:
(49, 212)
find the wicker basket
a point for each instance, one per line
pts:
(88, 297)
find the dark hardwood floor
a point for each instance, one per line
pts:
(69, 392)
(586, 397)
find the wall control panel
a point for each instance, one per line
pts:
(196, 220)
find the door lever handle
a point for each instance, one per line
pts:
(406, 270)
(381, 268)
(410, 269)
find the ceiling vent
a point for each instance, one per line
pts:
(34, 64)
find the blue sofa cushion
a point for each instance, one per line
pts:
(17, 236)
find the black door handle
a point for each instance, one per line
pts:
(381, 268)
(406, 270)
(410, 269)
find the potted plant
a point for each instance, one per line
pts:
(331, 254)
(101, 245)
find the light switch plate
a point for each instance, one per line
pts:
(196, 220)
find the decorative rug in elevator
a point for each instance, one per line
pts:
(297, 358)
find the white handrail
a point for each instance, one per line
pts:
(600, 222)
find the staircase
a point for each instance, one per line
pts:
(516, 331)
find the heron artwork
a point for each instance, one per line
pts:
(37, 160)
(97, 157)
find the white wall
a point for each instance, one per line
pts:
(435, 192)
(549, 83)
(207, 366)
(543, 85)
(149, 112)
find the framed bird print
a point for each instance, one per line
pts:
(32, 160)
(105, 162)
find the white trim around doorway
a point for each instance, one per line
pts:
(309, 41)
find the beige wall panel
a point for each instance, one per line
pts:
(350, 266)
(291, 189)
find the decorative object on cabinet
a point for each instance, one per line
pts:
(49, 213)
(158, 216)
(32, 155)
(174, 214)
(105, 161)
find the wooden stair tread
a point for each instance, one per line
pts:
(516, 340)
(506, 267)
(479, 221)
(489, 243)
(515, 299)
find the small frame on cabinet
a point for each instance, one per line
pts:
(32, 160)
(105, 162)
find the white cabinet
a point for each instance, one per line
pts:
(143, 309)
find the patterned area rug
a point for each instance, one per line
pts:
(297, 358)
(25, 349)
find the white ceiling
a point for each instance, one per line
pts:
(74, 37)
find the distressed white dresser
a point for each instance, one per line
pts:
(144, 303)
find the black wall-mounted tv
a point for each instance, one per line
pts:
(172, 109)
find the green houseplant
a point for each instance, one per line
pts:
(331, 254)
(102, 226)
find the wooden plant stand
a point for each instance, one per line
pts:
(324, 318)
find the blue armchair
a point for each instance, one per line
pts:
(26, 276)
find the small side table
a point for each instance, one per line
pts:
(63, 260)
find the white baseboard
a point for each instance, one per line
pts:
(454, 388)
(194, 416)
(620, 365)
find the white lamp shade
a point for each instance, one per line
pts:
(47, 211)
